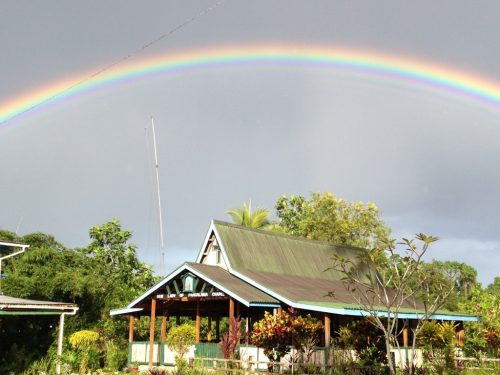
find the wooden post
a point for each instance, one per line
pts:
(130, 328)
(280, 310)
(231, 308)
(198, 322)
(461, 335)
(327, 330)
(152, 332)
(247, 328)
(231, 313)
(209, 332)
(163, 333)
(217, 328)
(405, 334)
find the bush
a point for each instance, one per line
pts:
(436, 340)
(366, 339)
(85, 342)
(116, 356)
(180, 338)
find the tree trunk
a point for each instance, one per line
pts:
(389, 356)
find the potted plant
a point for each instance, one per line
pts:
(134, 367)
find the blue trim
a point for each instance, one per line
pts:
(460, 318)
(264, 304)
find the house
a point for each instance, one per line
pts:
(243, 272)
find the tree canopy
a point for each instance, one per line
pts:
(50, 271)
(327, 218)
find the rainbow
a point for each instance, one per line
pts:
(420, 73)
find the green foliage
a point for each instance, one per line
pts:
(458, 277)
(115, 262)
(327, 218)
(180, 338)
(366, 339)
(482, 338)
(436, 341)
(44, 365)
(85, 344)
(243, 215)
(494, 287)
(49, 271)
(116, 355)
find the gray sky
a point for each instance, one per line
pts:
(226, 134)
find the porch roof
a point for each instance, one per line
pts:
(219, 276)
(21, 306)
(232, 286)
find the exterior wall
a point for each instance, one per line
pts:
(403, 356)
(139, 352)
(211, 258)
(252, 353)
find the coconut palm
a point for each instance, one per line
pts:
(243, 215)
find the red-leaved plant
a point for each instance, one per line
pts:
(230, 340)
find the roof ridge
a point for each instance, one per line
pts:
(288, 236)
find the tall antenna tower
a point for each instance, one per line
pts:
(160, 218)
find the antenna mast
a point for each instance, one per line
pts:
(162, 251)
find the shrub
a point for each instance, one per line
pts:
(116, 356)
(85, 342)
(275, 332)
(180, 338)
(436, 340)
(366, 339)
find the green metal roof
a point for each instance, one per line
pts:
(264, 251)
(296, 269)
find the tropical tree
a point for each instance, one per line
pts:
(97, 278)
(460, 277)
(327, 218)
(494, 287)
(397, 282)
(243, 215)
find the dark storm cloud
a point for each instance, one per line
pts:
(226, 135)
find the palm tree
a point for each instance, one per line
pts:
(243, 215)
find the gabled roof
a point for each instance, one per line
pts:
(296, 270)
(255, 250)
(291, 269)
(216, 276)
